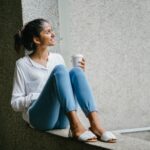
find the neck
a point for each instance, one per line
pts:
(41, 54)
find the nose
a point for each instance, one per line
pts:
(53, 35)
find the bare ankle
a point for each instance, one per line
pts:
(97, 130)
(77, 129)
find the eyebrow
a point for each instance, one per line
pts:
(48, 29)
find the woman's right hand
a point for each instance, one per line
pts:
(82, 64)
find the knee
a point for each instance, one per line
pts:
(60, 68)
(76, 71)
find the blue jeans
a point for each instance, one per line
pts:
(60, 95)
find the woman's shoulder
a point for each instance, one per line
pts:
(21, 61)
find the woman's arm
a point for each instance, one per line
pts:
(20, 101)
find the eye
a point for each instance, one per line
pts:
(48, 31)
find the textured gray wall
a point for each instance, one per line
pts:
(114, 36)
(10, 21)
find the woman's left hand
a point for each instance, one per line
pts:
(82, 64)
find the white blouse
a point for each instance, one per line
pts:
(29, 80)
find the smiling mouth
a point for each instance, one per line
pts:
(53, 40)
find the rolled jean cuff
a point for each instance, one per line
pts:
(92, 110)
(70, 110)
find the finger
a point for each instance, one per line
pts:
(82, 62)
(82, 66)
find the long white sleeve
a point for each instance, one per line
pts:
(20, 101)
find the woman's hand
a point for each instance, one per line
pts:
(82, 64)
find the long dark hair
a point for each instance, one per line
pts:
(24, 37)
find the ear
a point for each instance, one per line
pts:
(36, 40)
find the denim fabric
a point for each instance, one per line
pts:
(60, 95)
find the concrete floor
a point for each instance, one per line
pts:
(138, 141)
(140, 135)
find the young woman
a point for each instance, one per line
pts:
(47, 93)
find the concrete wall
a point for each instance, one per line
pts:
(10, 21)
(114, 37)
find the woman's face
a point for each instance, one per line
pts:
(47, 36)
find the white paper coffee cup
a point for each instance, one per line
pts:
(76, 59)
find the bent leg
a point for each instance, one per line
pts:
(82, 90)
(62, 121)
(45, 112)
(86, 99)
